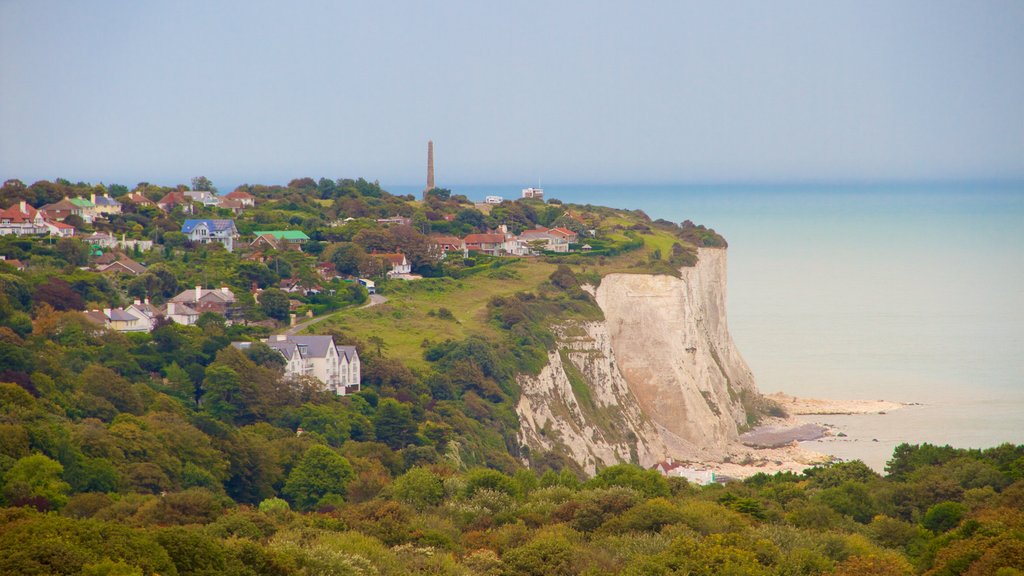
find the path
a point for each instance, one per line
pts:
(375, 299)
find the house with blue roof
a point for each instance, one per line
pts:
(209, 230)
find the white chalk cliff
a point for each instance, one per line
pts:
(660, 376)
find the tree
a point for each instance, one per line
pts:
(274, 303)
(394, 423)
(419, 488)
(321, 472)
(74, 251)
(58, 294)
(222, 392)
(36, 480)
(200, 183)
(348, 258)
(648, 482)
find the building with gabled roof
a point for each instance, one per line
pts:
(173, 199)
(493, 244)
(338, 367)
(242, 196)
(209, 230)
(123, 265)
(217, 300)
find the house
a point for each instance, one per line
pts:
(337, 367)
(673, 469)
(280, 239)
(442, 245)
(123, 265)
(204, 197)
(88, 208)
(147, 313)
(206, 231)
(493, 244)
(493, 200)
(247, 200)
(59, 229)
(101, 239)
(180, 313)
(174, 199)
(139, 199)
(104, 204)
(569, 235)
(217, 300)
(235, 206)
(399, 220)
(398, 262)
(544, 239)
(537, 193)
(13, 262)
(62, 209)
(21, 219)
(118, 319)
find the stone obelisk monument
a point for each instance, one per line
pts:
(430, 168)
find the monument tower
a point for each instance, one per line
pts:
(430, 168)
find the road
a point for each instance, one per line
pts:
(375, 299)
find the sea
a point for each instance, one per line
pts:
(910, 292)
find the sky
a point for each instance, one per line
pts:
(511, 92)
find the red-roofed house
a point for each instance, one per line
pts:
(21, 219)
(242, 196)
(493, 244)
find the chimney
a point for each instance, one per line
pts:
(170, 308)
(280, 337)
(199, 292)
(106, 312)
(92, 197)
(21, 206)
(224, 290)
(138, 302)
(146, 300)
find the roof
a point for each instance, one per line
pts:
(189, 295)
(56, 224)
(283, 234)
(213, 225)
(81, 202)
(454, 240)
(62, 204)
(181, 309)
(96, 317)
(174, 198)
(309, 346)
(349, 352)
(563, 231)
(126, 263)
(229, 203)
(106, 201)
(138, 198)
(393, 259)
(240, 195)
(484, 238)
(119, 315)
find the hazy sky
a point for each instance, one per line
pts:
(510, 92)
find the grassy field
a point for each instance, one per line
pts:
(405, 320)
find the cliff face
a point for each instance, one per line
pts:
(659, 377)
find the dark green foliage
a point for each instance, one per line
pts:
(322, 472)
(647, 482)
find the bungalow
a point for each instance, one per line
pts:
(217, 300)
(123, 265)
(280, 239)
(493, 244)
(399, 220)
(247, 200)
(545, 239)
(206, 231)
(337, 367)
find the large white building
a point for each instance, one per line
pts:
(318, 356)
(205, 231)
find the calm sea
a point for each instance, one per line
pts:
(906, 292)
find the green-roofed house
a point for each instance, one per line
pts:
(279, 239)
(87, 206)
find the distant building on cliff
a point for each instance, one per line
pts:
(537, 193)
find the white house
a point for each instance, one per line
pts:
(493, 200)
(205, 231)
(205, 197)
(537, 193)
(180, 313)
(318, 356)
(673, 469)
(399, 264)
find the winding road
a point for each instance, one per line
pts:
(375, 299)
